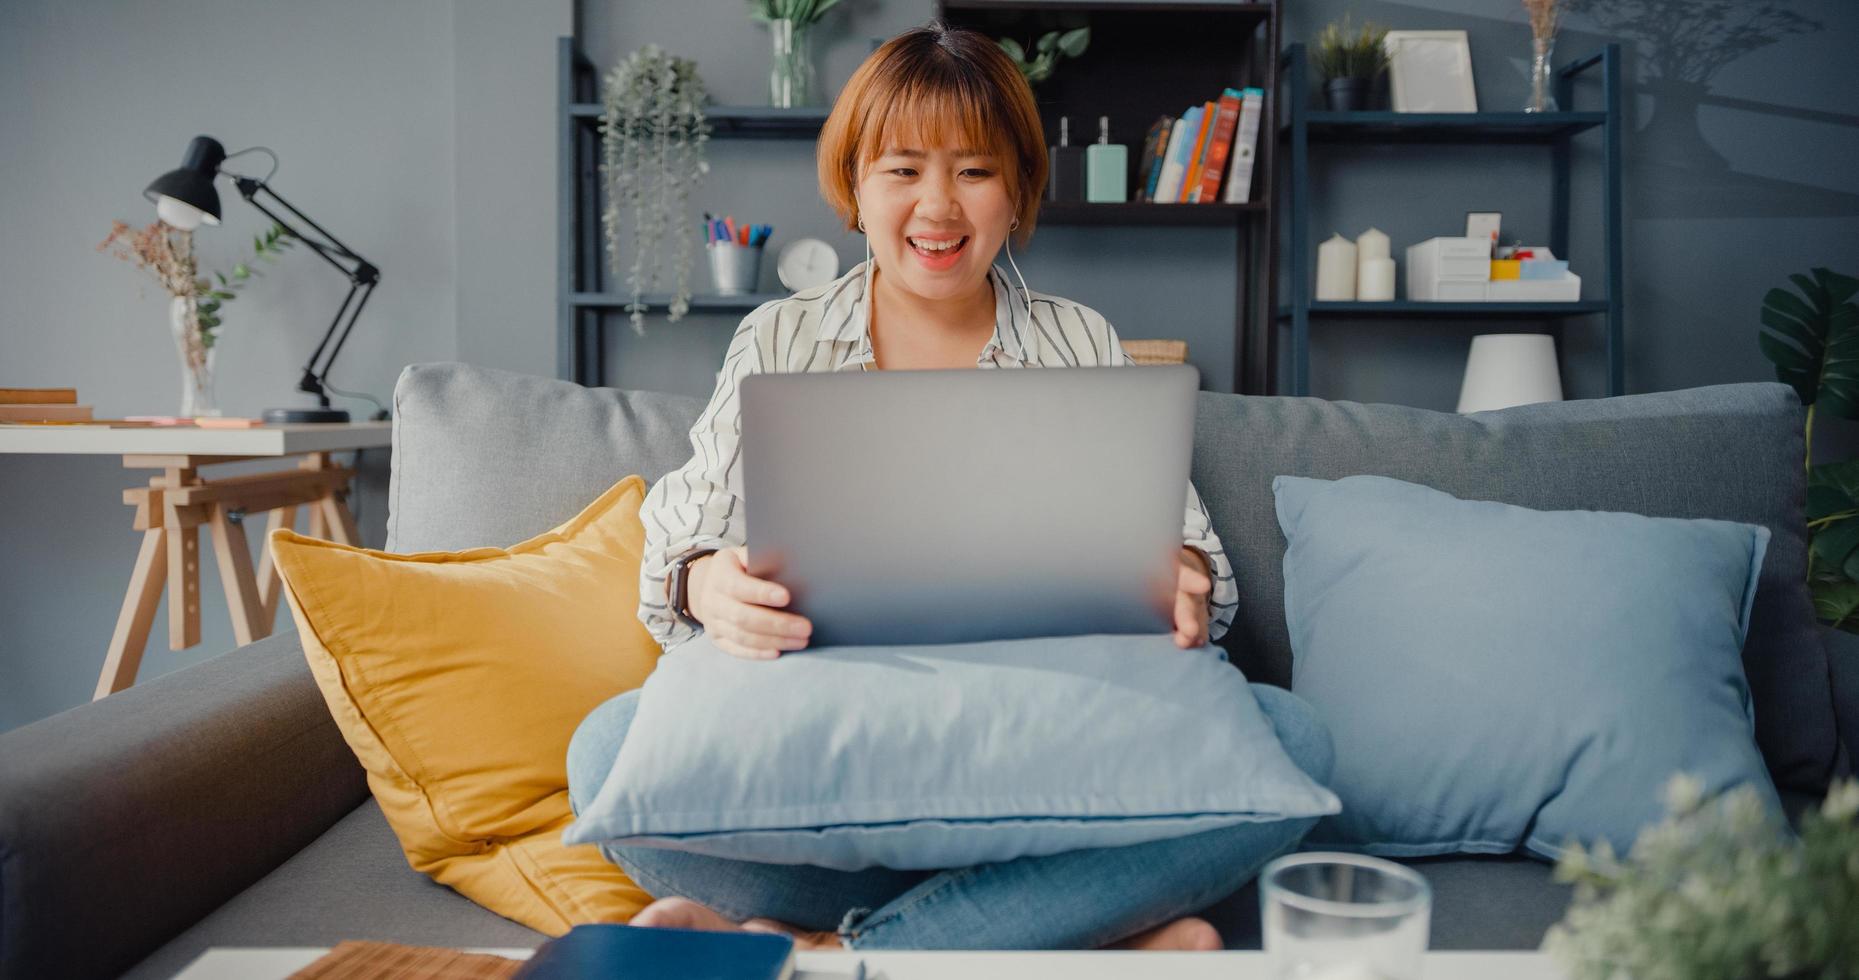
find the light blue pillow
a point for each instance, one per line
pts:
(943, 756)
(1495, 676)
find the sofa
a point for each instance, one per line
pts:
(219, 805)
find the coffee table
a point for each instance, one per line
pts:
(227, 963)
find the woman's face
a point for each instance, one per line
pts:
(935, 218)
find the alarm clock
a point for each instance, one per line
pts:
(805, 263)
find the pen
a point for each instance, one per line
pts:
(858, 972)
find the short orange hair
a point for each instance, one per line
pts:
(935, 86)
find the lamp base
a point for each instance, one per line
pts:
(274, 416)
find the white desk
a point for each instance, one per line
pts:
(275, 964)
(175, 504)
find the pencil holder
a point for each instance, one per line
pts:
(734, 268)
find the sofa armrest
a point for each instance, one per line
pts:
(125, 820)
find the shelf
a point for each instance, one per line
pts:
(660, 302)
(739, 122)
(1447, 127)
(1409, 309)
(1148, 213)
(1116, 6)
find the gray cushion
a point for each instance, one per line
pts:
(484, 457)
(1732, 452)
(351, 883)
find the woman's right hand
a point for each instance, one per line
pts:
(734, 607)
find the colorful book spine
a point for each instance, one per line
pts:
(1219, 145)
(1175, 168)
(1191, 182)
(1245, 147)
(1155, 148)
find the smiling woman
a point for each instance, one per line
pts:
(935, 151)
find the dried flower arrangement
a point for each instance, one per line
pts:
(652, 154)
(1544, 15)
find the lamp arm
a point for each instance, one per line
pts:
(363, 277)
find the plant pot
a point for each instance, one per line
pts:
(1346, 94)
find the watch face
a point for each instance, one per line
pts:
(805, 263)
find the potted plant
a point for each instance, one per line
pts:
(1718, 891)
(652, 136)
(1352, 62)
(1812, 336)
(790, 29)
(1047, 51)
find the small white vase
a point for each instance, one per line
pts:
(197, 397)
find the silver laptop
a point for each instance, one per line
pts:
(955, 506)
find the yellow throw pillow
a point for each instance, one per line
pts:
(458, 679)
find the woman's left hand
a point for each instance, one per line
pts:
(1193, 585)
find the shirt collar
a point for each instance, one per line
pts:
(847, 317)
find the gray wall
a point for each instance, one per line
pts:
(421, 133)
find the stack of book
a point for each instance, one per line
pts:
(1206, 155)
(41, 405)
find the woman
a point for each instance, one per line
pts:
(935, 152)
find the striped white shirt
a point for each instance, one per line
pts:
(699, 505)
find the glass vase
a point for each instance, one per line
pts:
(1542, 81)
(790, 67)
(197, 395)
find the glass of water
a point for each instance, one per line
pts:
(1344, 917)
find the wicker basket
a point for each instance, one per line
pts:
(1157, 351)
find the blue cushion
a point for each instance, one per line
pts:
(943, 756)
(1495, 676)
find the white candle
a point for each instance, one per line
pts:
(1371, 244)
(1376, 282)
(1336, 269)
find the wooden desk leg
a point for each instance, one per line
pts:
(137, 616)
(235, 573)
(337, 520)
(268, 581)
(183, 578)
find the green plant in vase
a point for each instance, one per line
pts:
(790, 31)
(1047, 51)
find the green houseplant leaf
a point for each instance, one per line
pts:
(1812, 341)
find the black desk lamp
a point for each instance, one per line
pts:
(185, 198)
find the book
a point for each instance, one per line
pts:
(16, 412)
(38, 396)
(1191, 183)
(619, 952)
(1245, 146)
(1175, 167)
(1155, 147)
(1219, 140)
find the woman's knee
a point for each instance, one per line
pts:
(595, 744)
(1306, 739)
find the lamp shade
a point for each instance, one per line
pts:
(1508, 369)
(185, 197)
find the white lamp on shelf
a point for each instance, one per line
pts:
(1509, 369)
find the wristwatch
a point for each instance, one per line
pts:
(680, 597)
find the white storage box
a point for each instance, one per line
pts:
(1437, 262)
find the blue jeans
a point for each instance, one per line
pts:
(1081, 899)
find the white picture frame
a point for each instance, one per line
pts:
(1430, 71)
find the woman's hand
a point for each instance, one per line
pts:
(733, 606)
(1193, 584)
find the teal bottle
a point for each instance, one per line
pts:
(1107, 168)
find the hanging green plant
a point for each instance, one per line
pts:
(652, 137)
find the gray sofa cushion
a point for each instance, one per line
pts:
(1732, 452)
(484, 457)
(351, 883)
(354, 883)
(488, 457)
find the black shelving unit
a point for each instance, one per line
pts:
(1304, 128)
(1145, 59)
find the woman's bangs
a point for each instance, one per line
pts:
(939, 114)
